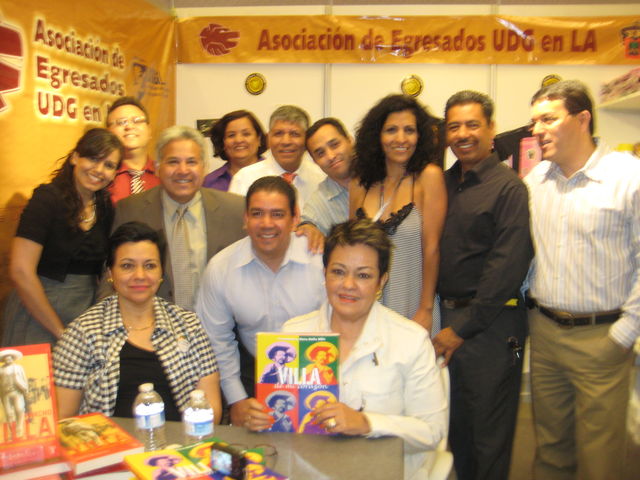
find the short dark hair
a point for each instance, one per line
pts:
(219, 129)
(133, 232)
(278, 348)
(361, 231)
(127, 101)
(369, 166)
(273, 184)
(575, 95)
(334, 122)
(471, 96)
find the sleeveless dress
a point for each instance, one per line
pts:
(402, 291)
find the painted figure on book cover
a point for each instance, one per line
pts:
(280, 353)
(13, 390)
(281, 402)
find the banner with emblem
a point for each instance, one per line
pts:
(62, 63)
(490, 39)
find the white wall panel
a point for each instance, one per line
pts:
(517, 84)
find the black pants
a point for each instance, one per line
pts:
(485, 389)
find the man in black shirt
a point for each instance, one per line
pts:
(484, 256)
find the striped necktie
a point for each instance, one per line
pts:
(137, 184)
(181, 263)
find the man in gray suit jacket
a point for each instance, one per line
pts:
(209, 219)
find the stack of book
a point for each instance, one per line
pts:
(94, 446)
(34, 445)
(29, 447)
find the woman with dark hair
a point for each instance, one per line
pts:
(61, 242)
(397, 183)
(239, 139)
(134, 337)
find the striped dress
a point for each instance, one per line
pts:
(402, 291)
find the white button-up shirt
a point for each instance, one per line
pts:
(586, 233)
(391, 374)
(239, 289)
(308, 177)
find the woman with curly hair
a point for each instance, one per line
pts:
(398, 183)
(238, 139)
(61, 242)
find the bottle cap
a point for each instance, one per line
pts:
(197, 395)
(145, 387)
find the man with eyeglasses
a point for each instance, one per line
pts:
(127, 118)
(585, 289)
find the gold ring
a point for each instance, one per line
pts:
(331, 423)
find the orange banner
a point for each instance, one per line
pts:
(491, 39)
(62, 63)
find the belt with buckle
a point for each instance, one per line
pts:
(453, 303)
(567, 319)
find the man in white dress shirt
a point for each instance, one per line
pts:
(585, 286)
(287, 127)
(256, 284)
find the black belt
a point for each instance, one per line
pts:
(567, 319)
(453, 303)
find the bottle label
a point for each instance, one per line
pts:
(198, 429)
(149, 416)
(198, 421)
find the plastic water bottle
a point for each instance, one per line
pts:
(148, 410)
(197, 418)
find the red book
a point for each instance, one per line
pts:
(117, 471)
(94, 441)
(47, 470)
(28, 443)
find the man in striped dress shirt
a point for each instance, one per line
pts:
(584, 282)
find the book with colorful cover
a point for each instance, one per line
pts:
(194, 462)
(165, 464)
(94, 441)
(295, 373)
(28, 414)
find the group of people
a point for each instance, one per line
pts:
(367, 238)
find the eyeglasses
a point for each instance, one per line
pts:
(123, 122)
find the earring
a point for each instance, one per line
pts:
(379, 294)
(110, 280)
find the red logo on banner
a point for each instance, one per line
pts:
(631, 40)
(218, 40)
(10, 48)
